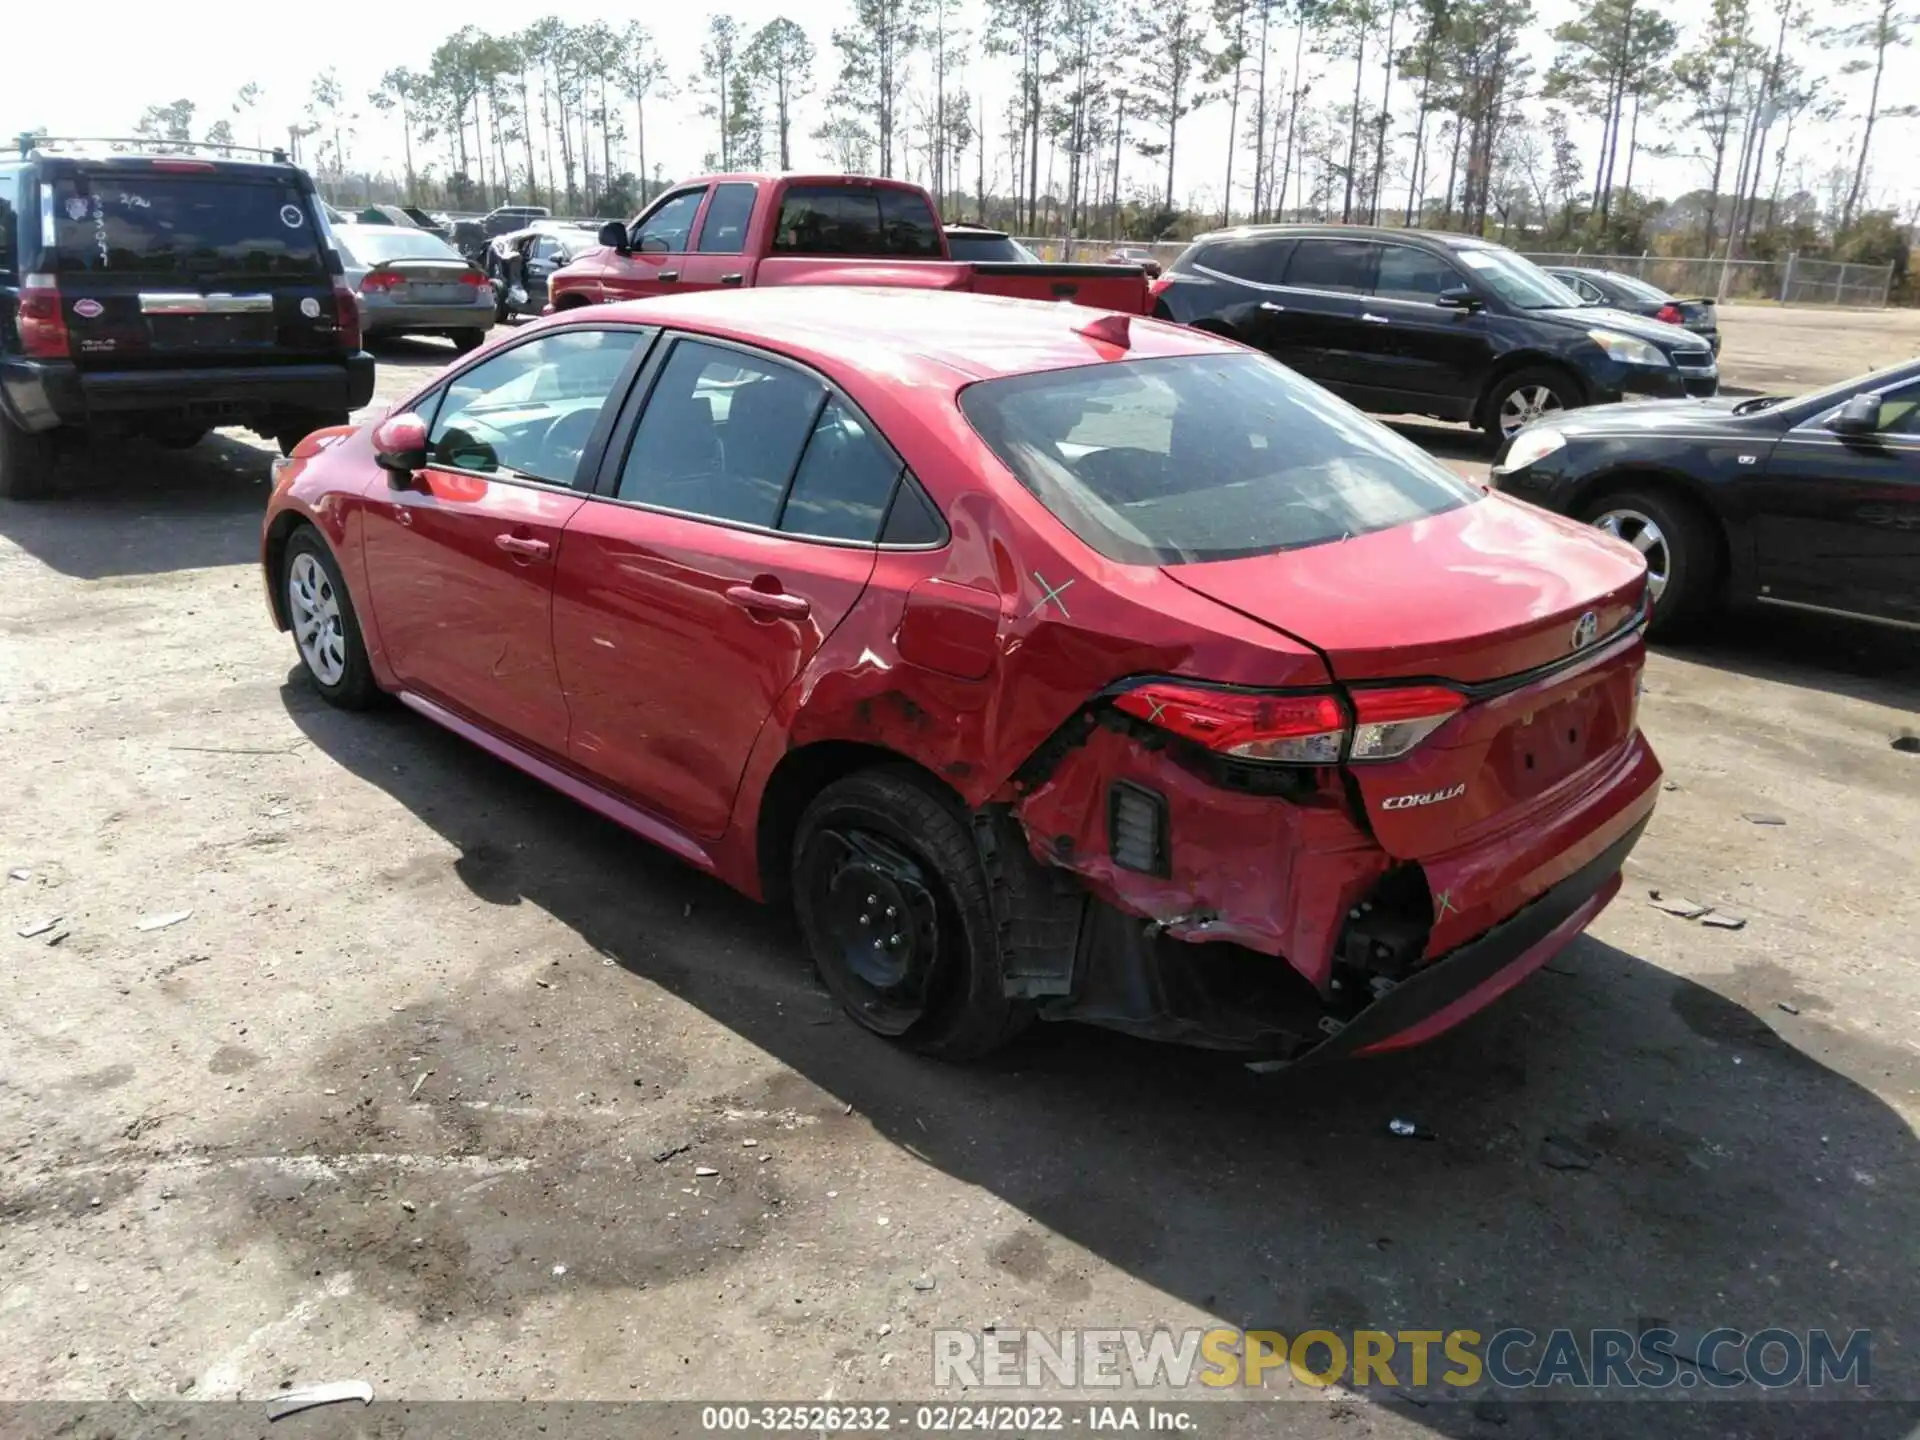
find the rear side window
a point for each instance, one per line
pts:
(183, 225)
(1407, 273)
(9, 221)
(1259, 262)
(724, 231)
(993, 249)
(855, 220)
(1204, 457)
(1332, 265)
(841, 489)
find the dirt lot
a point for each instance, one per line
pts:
(390, 1102)
(1776, 348)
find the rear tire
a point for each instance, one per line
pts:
(1526, 395)
(326, 631)
(466, 340)
(892, 901)
(29, 461)
(1683, 562)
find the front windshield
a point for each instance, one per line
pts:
(1519, 282)
(1812, 404)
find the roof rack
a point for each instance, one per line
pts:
(145, 145)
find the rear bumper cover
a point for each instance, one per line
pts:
(41, 394)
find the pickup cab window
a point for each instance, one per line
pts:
(724, 231)
(855, 220)
(671, 222)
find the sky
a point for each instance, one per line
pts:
(150, 56)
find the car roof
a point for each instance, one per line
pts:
(928, 336)
(1430, 239)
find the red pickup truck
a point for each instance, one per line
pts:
(746, 230)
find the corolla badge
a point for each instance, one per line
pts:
(1429, 797)
(1586, 630)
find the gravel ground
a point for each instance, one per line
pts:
(445, 1084)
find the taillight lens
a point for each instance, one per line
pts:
(1389, 723)
(1309, 728)
(378, 280)
(1158, 286)
(346, 323)
(474, 279)
(43, 325)
(1302, 729)
(1669, 313)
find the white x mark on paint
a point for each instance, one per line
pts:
(1053, 593)
(1445, 897)
(1155, 708)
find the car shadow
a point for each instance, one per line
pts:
(1444, 442)
(1877, 664)
(135, 508)
(1611, 1146)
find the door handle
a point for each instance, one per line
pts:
(522, 545)
(668, 275)
(777, 601)
(1269, 305)
(736, 278)
(1373, 319)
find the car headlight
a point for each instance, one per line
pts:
(1529, 447)
(1627, 349)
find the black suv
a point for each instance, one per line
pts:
(1425, 323)
(162, 295)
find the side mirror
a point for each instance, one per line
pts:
(613, 235)
(400, 446)
(1859, 416)
(1458, 298)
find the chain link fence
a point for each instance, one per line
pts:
(1793, 281)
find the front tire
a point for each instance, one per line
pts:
(29, 461)
(1517, 400)
(326, 631)
(466, 340)
(1677, 544)
(892, 901)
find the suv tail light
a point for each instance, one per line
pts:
(43, 325)
(1301, 728)
(1669, 313)
(346, 320)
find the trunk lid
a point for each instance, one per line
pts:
(1520, 611)
(163, 268)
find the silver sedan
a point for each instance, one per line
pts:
(411, 283)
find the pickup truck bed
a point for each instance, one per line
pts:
(742, 231)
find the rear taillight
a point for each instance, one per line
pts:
(1669, 313)
(474, 279)
(346, 321)
(43, 326)
(378, 280)
(1158, 286)
(1305, 728)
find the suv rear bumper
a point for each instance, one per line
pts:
(42, 394)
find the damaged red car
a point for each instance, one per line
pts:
(1051, 664)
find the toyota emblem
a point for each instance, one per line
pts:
(1586, 630)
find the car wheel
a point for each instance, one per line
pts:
(1677, 545)
(465, 340)
(892, 900)
(1523, 397)
(502, 312)
(326, 631)
(29, 461)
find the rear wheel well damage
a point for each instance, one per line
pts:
(802, 774)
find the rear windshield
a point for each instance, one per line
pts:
(1204, 457)
(111, 222)
(1638, 289)
(375, 243)
(962, 245)
(855, 220)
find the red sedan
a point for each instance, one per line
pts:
(1050, 663)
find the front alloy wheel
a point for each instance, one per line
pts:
(1525, 404)
(313, 605)
(1642, 532)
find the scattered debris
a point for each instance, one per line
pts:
(408, 1206)
(661, 1156)
(849, 1109)
(240, 749)
(37, 927)
(1677, 905)
(1409, 1129)
(544, 984)
(1559, 1153)
(1670, 785)
(559, 1270)
(882, 1220)
(20, 874)
(1754, 817)
(305, 1398)
(749, 1144)
(704, 1170)
(1907, 743)
(418, 1083)
(1789, 1007)
(161, 921)
(1721, 920)
(923, 1282)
